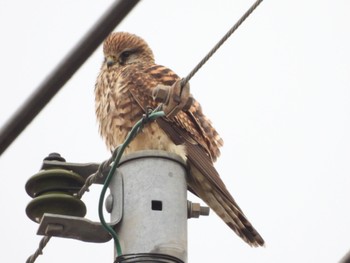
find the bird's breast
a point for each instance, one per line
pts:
(115, 109)
(152, 137)
(117, 112)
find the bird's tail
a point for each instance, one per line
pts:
(205, 181)
(207, 184)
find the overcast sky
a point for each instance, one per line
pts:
(278, 93)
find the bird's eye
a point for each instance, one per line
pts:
(125, 54)
(124, 57)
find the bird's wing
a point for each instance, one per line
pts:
(143, 79)
(193, 130)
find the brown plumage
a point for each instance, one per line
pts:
(123, 93)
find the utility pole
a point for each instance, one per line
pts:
(154, 212)
(147, 203)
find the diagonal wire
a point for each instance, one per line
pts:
(98, 174)
(148, 116)
(185, 80)
(63, 71)
(43, 242)
(56, 80)
(88, 182)
(92, 178)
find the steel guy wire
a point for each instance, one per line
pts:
(43, 242)
(185, 80)
(63, 71)
(148, 116)
(114, 160)
(85, 188)
(92, 178)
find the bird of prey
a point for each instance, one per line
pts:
(123, 93)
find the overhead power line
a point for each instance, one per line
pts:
(137, 127)
(63, 72)
(222, 41)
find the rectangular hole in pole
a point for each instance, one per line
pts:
(157, 205)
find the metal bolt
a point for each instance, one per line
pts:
(161, 93)
(54, 157)
(195, 210)
(204, 211)
(109, 203)
(54, 229)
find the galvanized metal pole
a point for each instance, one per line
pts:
(153, 213)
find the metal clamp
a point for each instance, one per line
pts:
(175, 98)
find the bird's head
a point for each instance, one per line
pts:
(121, 49)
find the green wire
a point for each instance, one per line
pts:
(132, 134)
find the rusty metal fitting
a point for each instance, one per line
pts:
(175, 98)
(161, 93)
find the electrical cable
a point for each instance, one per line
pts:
(120, 150)
(185, 80)
(92, 178)
(147, 257)
(63, 71)
(134, 131)
(155, 114)
(43, 242)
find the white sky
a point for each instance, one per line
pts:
(278, 93)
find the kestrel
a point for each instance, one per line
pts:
(123, 93)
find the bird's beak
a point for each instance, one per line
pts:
(110, 61)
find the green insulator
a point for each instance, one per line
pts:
(53, 180)
(52, 191)
(55, 203)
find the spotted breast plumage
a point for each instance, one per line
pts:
(123, 93)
